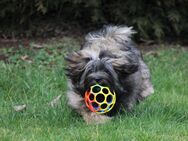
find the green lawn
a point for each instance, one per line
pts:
(38, 78)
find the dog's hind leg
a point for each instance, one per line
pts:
(147, 87)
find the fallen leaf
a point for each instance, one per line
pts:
(56, 101)
(19, 108)
(26, 58)
(147, 42)
(153, 53)
(37, 46)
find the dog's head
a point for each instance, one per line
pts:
(104, 59)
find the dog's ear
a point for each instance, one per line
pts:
(125, 65)
(75, 66)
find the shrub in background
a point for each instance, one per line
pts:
(152, 19)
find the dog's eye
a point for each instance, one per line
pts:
(88, 59)
(105, 53)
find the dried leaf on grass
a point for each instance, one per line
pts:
(56, 101)
(26, 58)
(153, 53)
(19, 108)
(37, 46)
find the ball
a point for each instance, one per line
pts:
(100, 99)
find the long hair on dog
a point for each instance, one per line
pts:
(108, 57)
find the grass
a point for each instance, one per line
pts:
(36, 80)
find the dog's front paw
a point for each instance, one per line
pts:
(93, 118)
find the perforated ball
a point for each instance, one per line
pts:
(100, 99)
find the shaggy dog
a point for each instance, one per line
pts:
(109, 58)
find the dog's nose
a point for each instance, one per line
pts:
(94, 81)
(101, 82)
(95, 78)
(98, 80)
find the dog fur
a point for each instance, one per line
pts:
(108, 57)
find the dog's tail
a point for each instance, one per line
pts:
(119, 33)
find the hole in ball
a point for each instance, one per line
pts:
(103, 106)
(87, 103)
(91, 97)
(110, 106)
(109, 99)
(95, 105)
(96, 89)
(105, 91)
(100, 98)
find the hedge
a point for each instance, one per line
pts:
(152, 19)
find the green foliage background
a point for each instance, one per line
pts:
(152, 19)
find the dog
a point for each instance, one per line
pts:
(110, 58)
